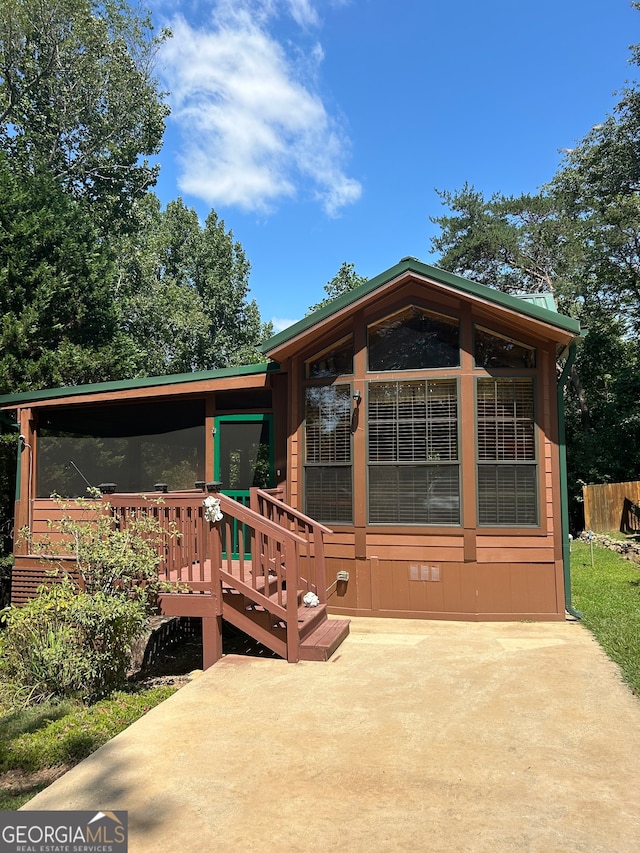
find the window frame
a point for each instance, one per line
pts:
(396, 464)
(509, 376)
(437, 312)
(316, 356)
(306, 466)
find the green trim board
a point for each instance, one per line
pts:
(528, 307)
(24, 397)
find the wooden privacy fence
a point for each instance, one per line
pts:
(612, 506)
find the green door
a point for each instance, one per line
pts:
(243, 457)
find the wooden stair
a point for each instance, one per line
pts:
(242, 568)
(319, 635)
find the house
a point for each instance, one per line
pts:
(418, 418)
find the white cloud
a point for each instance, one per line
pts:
(280, 323)
(253, 132)
(303, 13)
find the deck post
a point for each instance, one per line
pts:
(292, 562)
(211, 640)
(212, 625)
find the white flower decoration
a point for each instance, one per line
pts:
(212, 511)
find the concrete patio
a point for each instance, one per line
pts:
(415, 736)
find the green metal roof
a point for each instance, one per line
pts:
(544, 300)
(539, 307)
(141, 382)
(542, 309)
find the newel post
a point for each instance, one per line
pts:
(292, 563)
(319, 564)
(212, 625)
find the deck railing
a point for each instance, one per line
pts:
(185, 550)
(267, 503)
(195, 554)
(277, 555)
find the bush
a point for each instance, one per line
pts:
(120, 557)
(66, 643)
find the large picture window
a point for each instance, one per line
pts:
(414, 473)
(414, 339)
(507, 469)
(328, 476)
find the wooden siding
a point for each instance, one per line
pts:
(29, 573)
(465, 572)
(607, 507)
(448, 590)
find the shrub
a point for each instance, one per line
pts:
(112, 558)
(66, 643)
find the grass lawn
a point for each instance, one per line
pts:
(609, 597)
(38, 744)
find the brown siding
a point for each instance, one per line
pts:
(517, 588)
(464, 572)
(29, 573)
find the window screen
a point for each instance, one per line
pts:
(414, 339)
(413, 452)
(134, 445)
(328, 476)
(507, 470)
(493, 350)
(334, 361)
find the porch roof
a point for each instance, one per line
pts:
(538, 308)
(191, 381)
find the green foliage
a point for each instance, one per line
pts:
(77, 96)
(344, 280)
(66, 643)
(609, 597)
(116, 559)
(59, 324)
(59, 734)
(183, 292)
(96, 282)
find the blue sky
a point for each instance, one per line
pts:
(319, 130)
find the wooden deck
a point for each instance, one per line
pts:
(279, 558)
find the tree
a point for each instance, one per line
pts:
(520, 244)
(183, 292)
(77, 97)
(59, 324)
(344, 280)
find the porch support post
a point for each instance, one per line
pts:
(212, 625)
(211, 640)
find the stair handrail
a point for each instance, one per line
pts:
(288, 544)
(265, 502)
